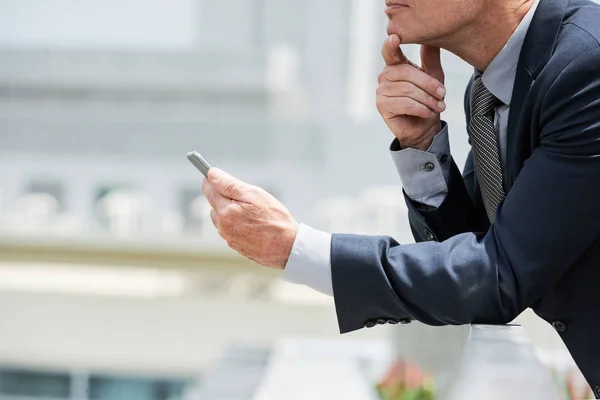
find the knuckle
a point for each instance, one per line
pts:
(406, 89)
(432, 102)
(222, 230)
(432, 86)
(214, 217)
(409, 105)
(382, 89)
(231, 188)
(424, 111)
(434, 83)
(226, 217)
(384, 75)
(404, 69)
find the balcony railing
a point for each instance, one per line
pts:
(498, 362)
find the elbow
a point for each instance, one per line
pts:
(502, 317)
(504, 306)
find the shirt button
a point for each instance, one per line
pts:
(392, 321)
(597, 391)
(444, 159)
(429, 167)
(560, 326)
(370, 324)
(405, 321)
(381, 321)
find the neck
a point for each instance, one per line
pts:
(480, 41)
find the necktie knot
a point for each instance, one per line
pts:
(483, 101)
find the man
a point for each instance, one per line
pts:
(519, 228)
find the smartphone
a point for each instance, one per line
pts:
(199, 162)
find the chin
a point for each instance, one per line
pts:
(412, 35)
(406, 34)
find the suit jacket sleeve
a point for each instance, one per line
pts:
(478, 273)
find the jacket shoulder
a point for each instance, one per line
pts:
(577, 44)
(580, 31)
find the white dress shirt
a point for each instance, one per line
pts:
(310, 260)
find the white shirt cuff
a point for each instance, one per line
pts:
(310, 260)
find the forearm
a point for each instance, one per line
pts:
(428, 282)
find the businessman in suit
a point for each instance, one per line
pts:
(518, 228)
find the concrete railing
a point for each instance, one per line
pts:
(499, 362)
(496, 362)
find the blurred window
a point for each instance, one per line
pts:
(187, 197)
(29, 385)
(111, 388)
(273, 191)
(50, 187)
(75, 24)
(34, 384)
(101, 207)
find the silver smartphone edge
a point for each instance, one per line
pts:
(199, 162)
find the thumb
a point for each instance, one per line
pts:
(391, 52)
(227, 185)
(431, 62)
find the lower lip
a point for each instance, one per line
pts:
(393, 9)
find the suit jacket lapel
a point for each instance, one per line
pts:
(523, 82)
(536, 52)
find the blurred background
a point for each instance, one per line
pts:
(113, 282)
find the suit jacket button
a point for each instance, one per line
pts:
(597, 391)
(429, 235)
(560, 326)
(405, 321)
(381, 321)
(370, 324)
(392, 321)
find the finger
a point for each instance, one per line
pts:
(227, 185)
(215, 199)
(209, 192)
(431, 62)
(214, 217)
(391, 52)
(406, 73)
(405, 106)
(410, 90)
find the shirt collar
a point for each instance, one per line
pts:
(499, 77)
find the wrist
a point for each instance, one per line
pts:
(421, 142)
(290, 234)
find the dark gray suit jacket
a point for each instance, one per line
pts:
(543, 251)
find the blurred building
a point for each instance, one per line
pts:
(98, 97)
